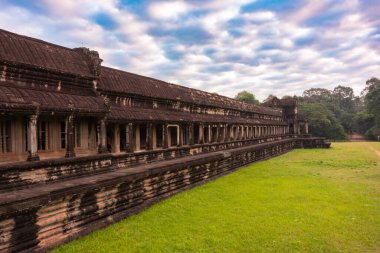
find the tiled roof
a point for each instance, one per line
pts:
(288, 102)
(124, 113)
(113, 80)
(41, 54)
(14, 97)
(25, 50)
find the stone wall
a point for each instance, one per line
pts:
(45, 215)
(27, 174)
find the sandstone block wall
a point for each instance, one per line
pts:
(44, 215)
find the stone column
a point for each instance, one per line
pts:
(224, 133)
(201, 131)
(102, 137)
(165, 133)
(149, 136)
(70, 136)
(129, 137)
(191, 134)
(209, 133)
(116, 139)
(217, 134)
(306, 128)
(180, 135)
(32, 138)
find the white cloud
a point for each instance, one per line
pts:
(309, 10)
(166, 10)
(264, 56)
(260, 16)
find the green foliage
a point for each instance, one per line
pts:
(317, 95)
(363, 121)
(304, 201)
(372, 99)
(322, 121)
(341, 101)
(246, 97)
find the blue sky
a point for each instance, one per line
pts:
(223, 46)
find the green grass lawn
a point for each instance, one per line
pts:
(321, 200)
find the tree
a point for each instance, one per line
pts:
(363, 121)
(322, 121)
(345, 99)
(372, 102)
(317, 95)
(341, 101)
(246, 97)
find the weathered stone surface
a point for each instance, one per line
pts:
(54, 213)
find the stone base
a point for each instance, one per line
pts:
(102, 150)
(33, 157)
(70, 154)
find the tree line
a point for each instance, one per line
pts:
(337, 113)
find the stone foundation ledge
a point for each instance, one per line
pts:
(28, 174)
(43, 216)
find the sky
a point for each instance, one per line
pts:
(265, 47)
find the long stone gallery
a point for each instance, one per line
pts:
(83, 145)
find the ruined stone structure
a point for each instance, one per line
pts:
(83, 145)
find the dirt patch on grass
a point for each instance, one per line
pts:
(377, 152)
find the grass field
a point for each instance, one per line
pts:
(304, 201)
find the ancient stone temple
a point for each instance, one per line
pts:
(83, 145)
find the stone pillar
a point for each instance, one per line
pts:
(180, 135)
(70, 136)
(224, 133)
(191, 134)
(306, 128)
(209, 133)
(116, 139)
(218, 132)
(201, 131)
(149, 136)
(32, 138)
(102, 137)
(165, 133)
(129, 137)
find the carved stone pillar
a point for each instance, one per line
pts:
(180, 135)
(201, 134)
(70, 136)
(240, 133)
(224, 136)
(32, 138)
(209, 133)
(217, 139)
(129, 137)
(116, 139)
(165, 134)
(306, 128)
(149, 136)
(102, 136)
(191, 134)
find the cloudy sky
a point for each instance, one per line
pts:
(225, 46)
